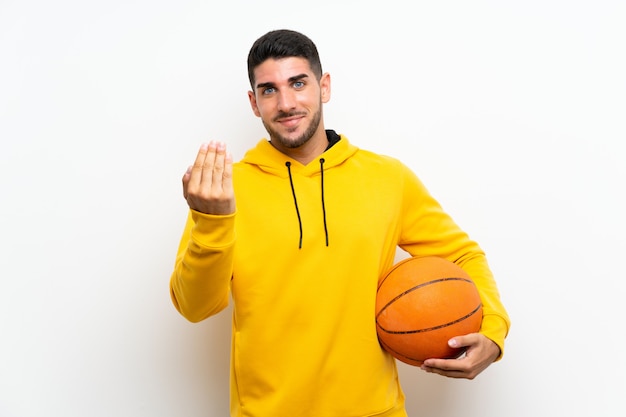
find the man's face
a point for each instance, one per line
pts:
(288, 99)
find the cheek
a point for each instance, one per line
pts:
(260, 109)
(263, 111)
(254, 104)
(311, 101)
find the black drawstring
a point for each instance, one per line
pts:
(293, 191)
(322, 160)
(295, 200)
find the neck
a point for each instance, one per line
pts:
(307, 152)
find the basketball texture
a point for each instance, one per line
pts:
(421, 303)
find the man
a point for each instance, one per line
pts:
(298, 233)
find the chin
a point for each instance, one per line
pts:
(292, 142)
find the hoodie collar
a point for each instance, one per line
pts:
(272, 161)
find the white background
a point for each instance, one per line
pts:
(512, 113)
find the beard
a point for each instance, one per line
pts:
(300, 140)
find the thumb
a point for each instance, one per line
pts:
(460, 341)
(186, 177)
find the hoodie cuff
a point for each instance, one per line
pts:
(213, 231)
(495, 328)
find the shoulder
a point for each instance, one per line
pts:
(381, 161)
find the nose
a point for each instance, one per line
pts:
(286, 101)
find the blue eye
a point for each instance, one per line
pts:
(298, 84)
(268, 90)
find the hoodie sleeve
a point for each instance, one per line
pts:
(200, 283)
(427, 230)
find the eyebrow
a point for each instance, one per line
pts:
(291, 80)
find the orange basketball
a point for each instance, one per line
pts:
(421, 303)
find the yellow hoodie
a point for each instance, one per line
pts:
(301, 258)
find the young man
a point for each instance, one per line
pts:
(298, 233)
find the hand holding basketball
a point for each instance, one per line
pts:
(480, 352)
(207, 184)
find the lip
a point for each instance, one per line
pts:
(290, 121)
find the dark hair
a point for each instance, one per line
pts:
(283, 43)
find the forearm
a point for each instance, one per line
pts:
(496, 322)
(200, 282)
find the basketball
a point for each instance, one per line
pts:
(421, 303)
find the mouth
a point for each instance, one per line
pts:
(290, 121)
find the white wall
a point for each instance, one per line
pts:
(513, 114)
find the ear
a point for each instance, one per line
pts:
(325, 87)
(255, 108)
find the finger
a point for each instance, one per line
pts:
(201, 156)
(186, 177)
(209, 164)
(462, 341)
(219, 167)
(447, 373)
(453, 368)
(195, 176)
(227, 177)
(440, 364)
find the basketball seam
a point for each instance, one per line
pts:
(429, 329)
(435, 281)
(399, 355)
